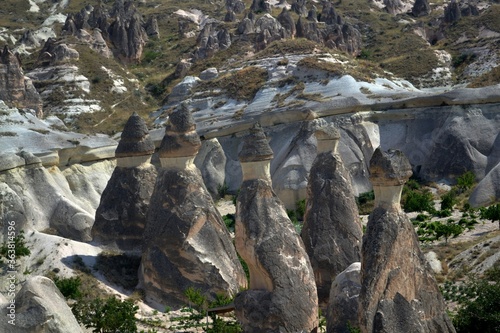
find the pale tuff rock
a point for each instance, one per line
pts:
(332, 229)
(211, 160)
(280, 270)
(398, 289)
(344, 300)
(39, 307)
(121, 215)
(17, 90)
(186, 243)
(54, 53)
(388, 173)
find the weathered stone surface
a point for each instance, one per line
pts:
(152, 27)
(332, 229)
(282, 295)
(399, 292)
(299, 7)
(343, 306)
(287, 22)
(181, 139)
(54, 53)
(121, 216)
(213, 37)
(487, 191)
(256, 147)
(71, 222)
(209, 74)
(135, 140)
(40, 307)
(186, 243)
(211, 161)
(452, 12)
(280, 270)
(17, 90)
(236, 6)
(394, 6)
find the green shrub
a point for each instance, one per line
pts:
(229, 221)
(107, 316)
(69, 287)
(466, 181)
(443, 213)
(222, 190)
(418, 201)
(447, 230)
(491, 213)
(20, 249)
(448, 200)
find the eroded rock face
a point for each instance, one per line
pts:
(121, 215)
(40, 307)
(17, 90)
(186, 243)
(282, 295)
(421, 8)
(212, 38)
(54, 53)
(398, 290)
(344, 300)
(332, 229)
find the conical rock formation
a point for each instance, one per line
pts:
(186, 243)
(282, 295)
(332, 230)
(398, 290)
(121, 215)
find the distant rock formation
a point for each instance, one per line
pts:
(213, 37)
(235, 6)
(282, 295)
(211, 161)
(287, 22)
(421, 8)
(17, 90)
(452, 12)
(260, 6)
(39, 307)
(54, 53)
(122, 27)
(186, 243)
(398, 289)
(394, 6)
(343, 306)
(332, 229)
(299, 7)
(121, 215)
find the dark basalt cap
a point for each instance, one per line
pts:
(327, 132)
(135, 140)
(181, 139)
(255, 146)
(389, 168)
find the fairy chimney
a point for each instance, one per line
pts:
(332, 230)
(282, 295)
(398, 290)
(388, 173)
(186, 243)
(121, 216)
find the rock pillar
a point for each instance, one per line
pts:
(398, 290)
(121, 215)
(282, 295)
(332, 230)
(186, 243)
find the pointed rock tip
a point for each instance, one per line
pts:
(135, 138)
(255, 146)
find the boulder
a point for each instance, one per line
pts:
(209, 74)
(287, 22)
(186, 243)
(39, 307)
(282, 295)
(121, 215)
(487, 192)
(398, 289)
(343, 306)
(71, 222)
(235, 6)
(260, 6)
(17, 90)
(452, 12)
(151, 27)
(299, 7)
(54, 53)
(332, 230)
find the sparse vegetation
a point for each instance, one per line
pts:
(18, 245)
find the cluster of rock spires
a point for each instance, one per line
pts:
(325, 27)
(16, 89)
(379, 282)
(122, 26)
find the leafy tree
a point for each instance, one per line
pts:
(447, 230)
(107, 316)
(491, 213)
